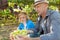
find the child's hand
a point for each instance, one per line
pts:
(11, 37)
(29, 31)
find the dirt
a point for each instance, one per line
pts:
(6, 30)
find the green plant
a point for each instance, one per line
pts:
(27, 9)
(52, 7)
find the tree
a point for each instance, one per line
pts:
(3, 4)
(55, 3)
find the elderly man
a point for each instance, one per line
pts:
(48, 20)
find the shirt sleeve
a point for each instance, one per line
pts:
(31, 24)
(37, 26)
(20, 27)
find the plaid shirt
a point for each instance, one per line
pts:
(52, 25)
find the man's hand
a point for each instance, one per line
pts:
(37, 38)
(27, 38)
(22, 38)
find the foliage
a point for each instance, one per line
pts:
(55, 2)
(25, 2)
(10, 4)
(6, 17)
(52, 7)
(27, 9)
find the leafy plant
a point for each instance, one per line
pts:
(53, 7)
(27, 9)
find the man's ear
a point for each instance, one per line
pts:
(46, 5)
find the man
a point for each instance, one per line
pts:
(49, 21)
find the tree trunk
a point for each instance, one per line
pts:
(3, 4)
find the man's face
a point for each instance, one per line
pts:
(40, 8)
